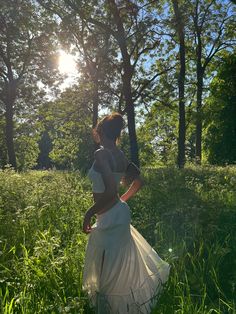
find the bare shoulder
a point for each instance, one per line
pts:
(101, 157)
(100, 154)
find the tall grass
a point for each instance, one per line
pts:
(189, 217)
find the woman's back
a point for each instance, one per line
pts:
(116, 158)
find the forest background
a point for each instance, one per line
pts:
(169, 68)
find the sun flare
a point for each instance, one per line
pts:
(66, 63)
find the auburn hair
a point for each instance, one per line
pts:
(111, 126)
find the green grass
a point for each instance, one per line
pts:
(188, 216)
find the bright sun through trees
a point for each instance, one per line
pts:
(68, 69)
(66, 63)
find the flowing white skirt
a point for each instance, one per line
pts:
(122, 272)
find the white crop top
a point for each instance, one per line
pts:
(97, 181)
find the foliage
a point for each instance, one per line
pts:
(188, 216)
(208, 31)
(26, 145)
(27, 58)
(157, 135)
(41, 242)
(220, 112)
(67, 121)
(27, 40)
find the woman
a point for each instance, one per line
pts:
(122, 273)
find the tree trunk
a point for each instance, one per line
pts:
(181, 81)
(93, 75)
(182, 124)
(9, 134)
(95, 101)
(198, 152)
(200, 73)
(131, 119)
(132, 135)
(9, 99)
(126, 80)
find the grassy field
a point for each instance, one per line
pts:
(188, 216)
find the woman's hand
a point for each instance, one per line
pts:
(87, 222)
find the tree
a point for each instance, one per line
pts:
(45, 147)
(26, 56)
(3, 152)
(131, 27)
(66, 123)
(93, 51)
(179, 24)
(220, 110)
(212, 27)
(26, 144)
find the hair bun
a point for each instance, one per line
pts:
(111, 126)
(117, 118)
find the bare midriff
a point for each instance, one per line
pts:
(109, 205)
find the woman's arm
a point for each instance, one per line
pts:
(133, 180)
(133, 189)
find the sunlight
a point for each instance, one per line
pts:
(66, 63)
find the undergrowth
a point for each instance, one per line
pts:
(188, 216)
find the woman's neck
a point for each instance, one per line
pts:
(108, 144)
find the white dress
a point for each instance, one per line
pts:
(122, 272)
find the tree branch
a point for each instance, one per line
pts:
(215, 49)
(205, 13)
(148, 82)
(146, 49)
